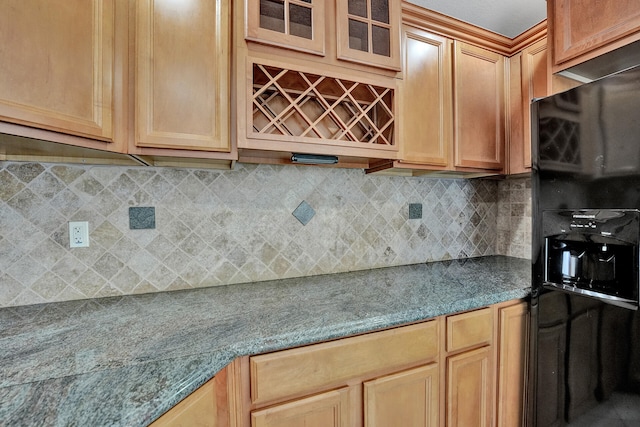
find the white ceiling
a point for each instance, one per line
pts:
(507, 17)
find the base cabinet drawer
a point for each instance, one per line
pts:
(469, 329)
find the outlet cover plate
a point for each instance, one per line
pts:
(78, 234)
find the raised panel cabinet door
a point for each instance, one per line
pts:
(330, 409)
(368, 32)
(409, 398)
(182, 74)
(426, 99)
(512, 360)
(292, 24)
(580, 27)
(469, 389)
(535, 84)
(57, 65)
(479, 107)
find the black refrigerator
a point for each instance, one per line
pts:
(584, 365)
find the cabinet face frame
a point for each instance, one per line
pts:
(158, 73)
(346, 53)
(63, 55)
(315, 45)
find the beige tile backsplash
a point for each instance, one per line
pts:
(223, 227)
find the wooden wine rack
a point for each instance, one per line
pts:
(300, 106)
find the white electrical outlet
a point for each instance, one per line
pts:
(78, 234)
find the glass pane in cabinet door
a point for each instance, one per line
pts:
(381, 40)
(358, 8)
(300, 21)
(380, 10)
(358, 35)
(272, 15)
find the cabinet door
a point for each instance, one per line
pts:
(182, 74)
(535, 84)
(293, 24)
(57, 65)
(408, 398)
(369, 32)
(530, 78)
(205, 407)
(469, 389)
(512, 356)
(329, 409)
(582, 29)
(479, 107)
(425, 99)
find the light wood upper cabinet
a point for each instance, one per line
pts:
(368, 32)
(425, 93)
(479, 107)
(365, 32)
(452, 106)
(293, 24)
(57, 65)
(529, 79)
(581, 30)
(182, 74)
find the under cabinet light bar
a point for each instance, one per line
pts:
(314, 159)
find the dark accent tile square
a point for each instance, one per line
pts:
(142, 218)
(415, 210)
(304, 212)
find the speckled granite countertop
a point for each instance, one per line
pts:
(124, 361)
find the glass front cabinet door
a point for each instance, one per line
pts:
(291, 24)
(368, 32)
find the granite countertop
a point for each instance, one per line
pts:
(124, 361)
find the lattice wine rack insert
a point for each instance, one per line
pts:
(310, 107)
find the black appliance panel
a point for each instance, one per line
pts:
(585, 352)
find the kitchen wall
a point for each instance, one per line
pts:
(222, 227)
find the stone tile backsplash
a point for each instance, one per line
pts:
(223, 227)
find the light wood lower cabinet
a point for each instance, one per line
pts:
(513, 333)
(330, 409)
(469, 388)
(465, 369)
(470, 368)
(206, 407)
(409, 398)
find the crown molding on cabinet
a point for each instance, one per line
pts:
(469, 33)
